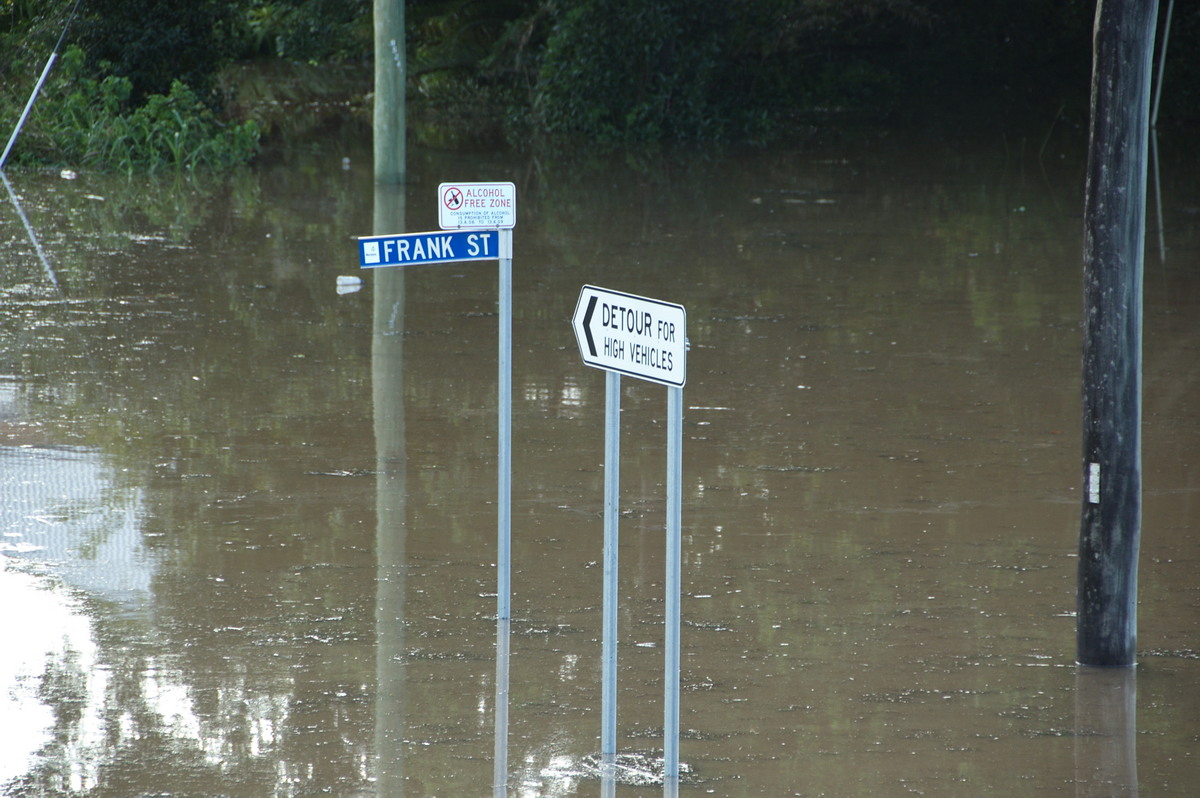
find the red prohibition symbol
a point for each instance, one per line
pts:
(453, 198)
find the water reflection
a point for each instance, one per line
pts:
(298, 485)
(1106, 732)
(56, 649)
(29, 231)
(500, 709)
(77, 572)
(60, 508)
(391, 508)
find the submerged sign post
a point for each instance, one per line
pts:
(493, 207)
(644, 338)
(477, 221)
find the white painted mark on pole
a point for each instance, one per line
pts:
(1094, 483)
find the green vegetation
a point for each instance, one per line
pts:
(305, 30)
(711, 70)
(613, 71)
(90, 122)
(753, 70)
(716, 74)
(150, 107)
(153, 43)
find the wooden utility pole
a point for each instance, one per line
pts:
(1114, 237)
(387, 372)
(390, 69)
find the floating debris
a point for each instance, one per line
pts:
(342, 472)
(798, 469)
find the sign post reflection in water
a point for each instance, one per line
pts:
(644, 338)
(391, 496)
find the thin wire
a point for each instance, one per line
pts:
(38, 86)
(70, 19)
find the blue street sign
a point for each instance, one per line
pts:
(413, 249)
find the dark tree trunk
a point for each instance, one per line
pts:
(1114, 235)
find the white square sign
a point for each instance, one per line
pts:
(477, 205)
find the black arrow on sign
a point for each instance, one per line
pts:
(587, 324)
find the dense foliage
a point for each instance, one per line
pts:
(140, 86)
(89, 121)
(700, 69)
(154, 43)
(304, 30)
(619, 70)
(623, 70)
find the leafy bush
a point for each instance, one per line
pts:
(307, 30)
(620, 70)
(626, 69)
(156, 42)
(89, 122)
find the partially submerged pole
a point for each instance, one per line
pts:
(389, 106)
(1114, 237)
(387, 359)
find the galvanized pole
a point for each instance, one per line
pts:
(38, 87)
(612, 502)
(390, 69)
(673, 557)
(1114, 238)
(504, 422)
(504, 518)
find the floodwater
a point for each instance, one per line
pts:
(249, 520)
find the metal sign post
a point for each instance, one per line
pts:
(477, 221)
(504, 434)
(612, 509)
(644, 338)
(674, 546)
(493, 207)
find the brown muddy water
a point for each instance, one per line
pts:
(249, 531)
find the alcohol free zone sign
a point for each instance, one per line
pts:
(477, 205)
